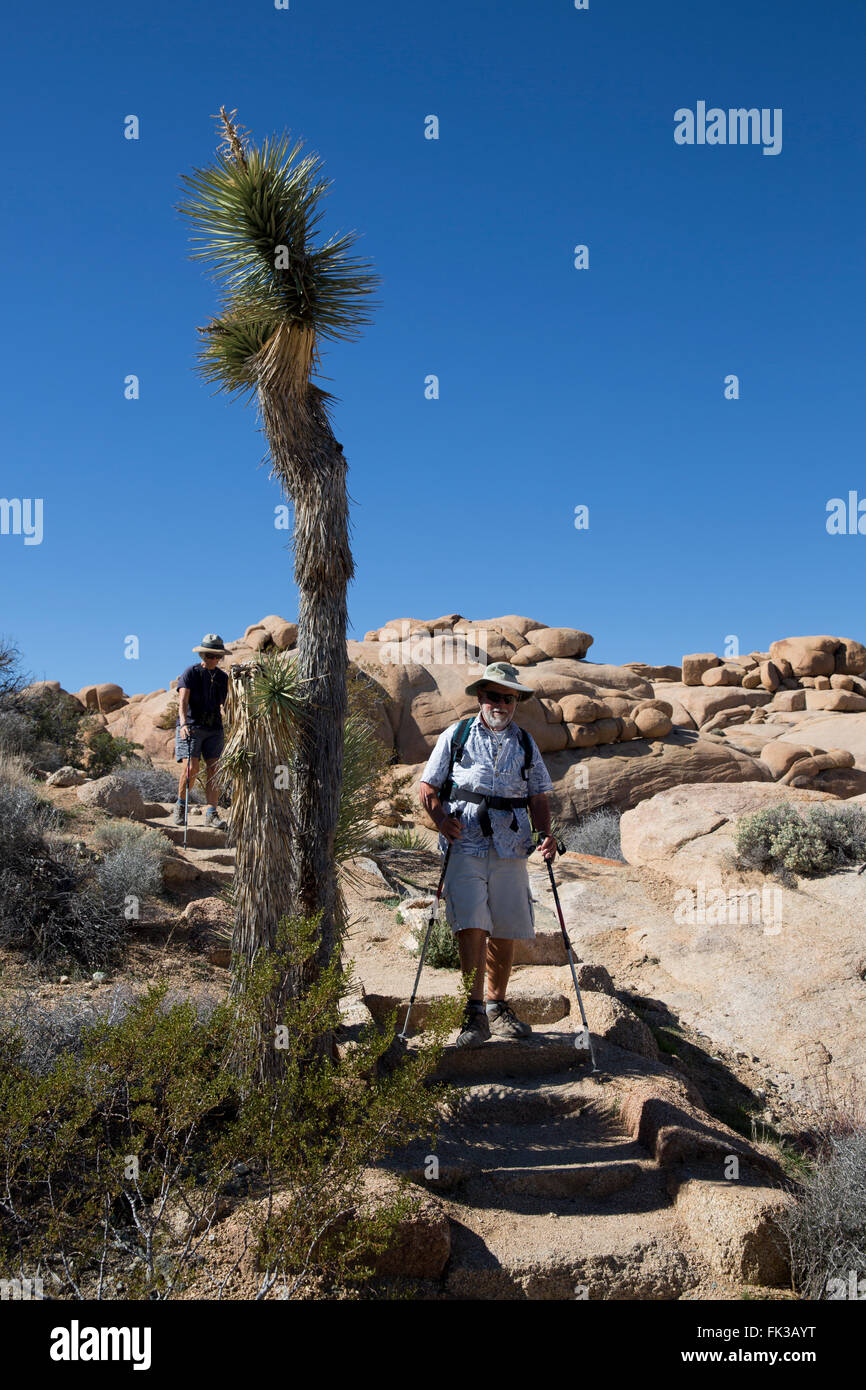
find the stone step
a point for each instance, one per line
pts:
(534, 1006)
(197, 837)
(547, 947)
(591, 1179)
(528, 1103)
(583, 1153)
(199, 862)
(548, 1051)
(216, 856)
(544, 1248)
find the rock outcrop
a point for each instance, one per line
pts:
(778, 971)
(612, 735)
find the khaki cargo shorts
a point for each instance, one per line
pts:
(490, 893)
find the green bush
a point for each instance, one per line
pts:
(106, 752)
(782, 842)
(120, 1158)
(442, 952)
(47, 727)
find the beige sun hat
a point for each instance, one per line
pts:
(501, 673)
(212, 645)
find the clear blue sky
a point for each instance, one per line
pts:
(559, 387)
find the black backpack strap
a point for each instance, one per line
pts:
(527, 753)
(458, 743)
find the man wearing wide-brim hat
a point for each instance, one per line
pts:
(201, 693)
(498, 777)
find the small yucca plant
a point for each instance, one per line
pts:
(267, 712)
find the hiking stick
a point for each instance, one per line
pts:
(186, 791)
(578, 1037)
(433, 914)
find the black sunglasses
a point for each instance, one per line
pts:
(496, 697)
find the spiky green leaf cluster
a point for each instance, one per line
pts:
(254, 220)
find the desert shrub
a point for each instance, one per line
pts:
(780, 841)
(12, 679)
(168, 718)
(826, 1230)
(595, 833)
(58, 728)
(133, 862)
(14, 770)
(117, 834)
(122, 1154)
(49, 905)
(47, 726)
(24, 817)
(52, 909)
(154, 783)
(45, 1034)
(17, 732)
(844, 831)
(442, 952)
(106, 751)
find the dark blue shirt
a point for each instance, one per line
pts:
(207, 691)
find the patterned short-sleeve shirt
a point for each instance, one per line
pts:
(489, 763)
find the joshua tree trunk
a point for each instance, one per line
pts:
(316, 483)
(253, 211)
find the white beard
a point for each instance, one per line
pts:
(499, 721)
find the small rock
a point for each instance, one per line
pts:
(176, 869)
(66, 777)
(98, 976)
(112, 794)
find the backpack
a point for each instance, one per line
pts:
(458, 743)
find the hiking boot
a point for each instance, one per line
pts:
(474, 1029)
(505, 1023)
(213, 821)
(177, 817)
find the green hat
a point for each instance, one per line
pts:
(501, 673)
(212, 645)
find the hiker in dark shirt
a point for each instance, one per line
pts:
(201, 694)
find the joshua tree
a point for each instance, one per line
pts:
(254, 212)
(266, 710)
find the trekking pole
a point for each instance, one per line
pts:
(433, 914)
(578, 1037)
(186, 792)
